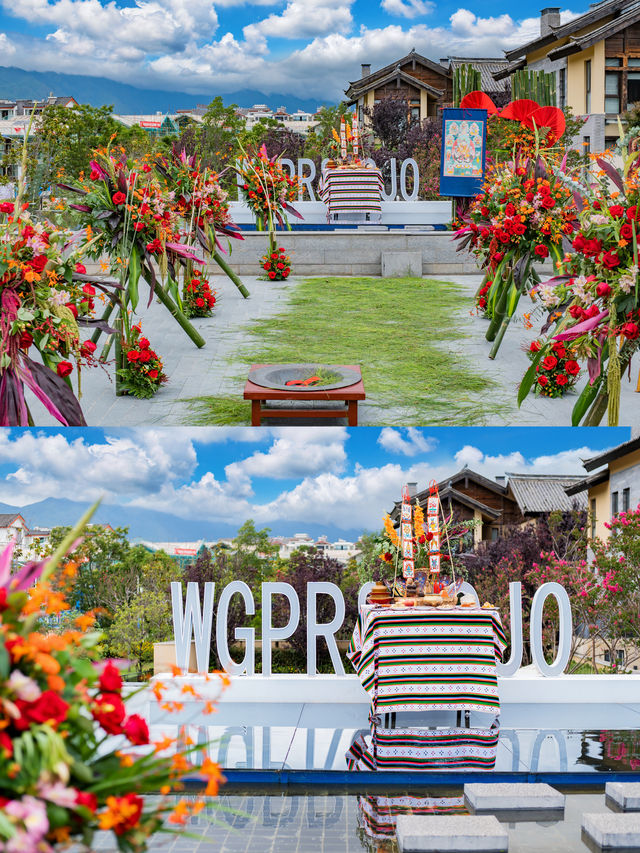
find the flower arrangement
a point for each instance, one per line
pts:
(593, 301)
(198, 299)
(276, 264)
(268, 190)
(59, 780)
(142, 374)
(557, 372)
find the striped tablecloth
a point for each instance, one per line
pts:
(428, 659)
(352, 192)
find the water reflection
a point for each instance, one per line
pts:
(377, 815)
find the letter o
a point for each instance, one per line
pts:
(565, 630)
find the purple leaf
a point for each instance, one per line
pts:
(53, 392)
(83, 208)
(184, 252)
(5, 563)
(582, 328)
(13, 408)
(290, 209)
(612, 173)
(96, 167)
(71, 189)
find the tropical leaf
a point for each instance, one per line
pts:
(53, 392)
(584, 402)
(13, 407)
(612, 173)
(529, 378)
(134, 277)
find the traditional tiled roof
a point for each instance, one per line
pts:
(539, 493)
(593, 16)
(614, 453)
(488, 68)
(626, 18)
(6, 518)
(588, 482)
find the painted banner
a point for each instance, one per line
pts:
(464, 148)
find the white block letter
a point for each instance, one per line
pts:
(511, 666)
(269, 633)
(248, 662)
(326, 629)
(565, 629)
(192, 621)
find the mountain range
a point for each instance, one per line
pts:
(18, 83)
(158, 526)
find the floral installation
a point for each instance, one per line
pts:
(142, 374)
(59, 780)
(276, 264)
(198, 300)
(558, 371)
(46, 297)
(268, 190)
(593, 301)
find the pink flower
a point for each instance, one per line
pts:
(25, 688)
(58, 793)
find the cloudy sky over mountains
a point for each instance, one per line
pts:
(340, 479)
(309, 48)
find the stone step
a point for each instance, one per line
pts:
(612, 831)
(515, 801)
(623, 796)
(450, 834)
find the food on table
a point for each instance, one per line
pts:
(379, 594)
(467, 601)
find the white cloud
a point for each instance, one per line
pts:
(408, 8)
(6, 47)
(413, 441)
(304, 19)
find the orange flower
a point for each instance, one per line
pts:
(85, 620)
(165, 743)
(211, 771)
(122, 814)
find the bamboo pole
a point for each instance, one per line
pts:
(224, 266)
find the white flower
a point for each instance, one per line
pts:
(25, 688)
(580, 290)
(548, 295)
(598, 219)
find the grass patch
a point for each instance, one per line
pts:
(402, 331)
(218, 411)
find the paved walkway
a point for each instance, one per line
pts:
(214, 371)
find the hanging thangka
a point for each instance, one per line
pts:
(406, 536)
(464, 147)
(433, 527)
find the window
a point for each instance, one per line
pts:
(593, 518)
(633, 87)
(587, 144)
(626, 499)
(612, 81)
(414, 110)
(614, 503)
(587, 86)
(562, 88)
(494, 534)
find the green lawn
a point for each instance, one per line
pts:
(396, 329)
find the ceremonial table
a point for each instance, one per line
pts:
(352, 193)
(426, 659)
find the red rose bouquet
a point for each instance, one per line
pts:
(59, 780)
(198, 299)
(594, 301)
(142, 374)
(276, 264)
(268, 190)
(557, 372)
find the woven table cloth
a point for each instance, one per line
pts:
(352, 191)
(418, 659)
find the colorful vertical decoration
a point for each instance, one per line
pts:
(343, 139)
(355, 132)
(433, 526)
(406, 536)
(464, 150)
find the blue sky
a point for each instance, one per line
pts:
(310, 48)
(340, 479)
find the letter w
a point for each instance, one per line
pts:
(192, 621)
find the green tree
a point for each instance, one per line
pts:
(215, 141)
(320, 138)
(140, 623)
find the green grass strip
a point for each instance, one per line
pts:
(403, 333)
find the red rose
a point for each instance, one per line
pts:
(497, 257)
(561, 379)
(280, 266)
(144, 356)
(549, 362)
(272, 274)
(87, 799)
(429, 536)
(422, 539)
(265, 266)
(133, 355)
(109, 712)
(529, 197)
(626, 232)
(146, 168)
(631, 331)
(94, 175)
(610, 260)
(72, 308)
(577, 312)
(81, 269)
(7, 207)
(535, 346)
(136, 730)
(138, 226)
(559, 350)
(541, 251)
(6, 747)
(88, 348)
(49, 707)
(548, 202)
(88, 289)
(509, 209)
(578, 243)
(152, 374)
(26, 339)
(64, 368)
(38, 263)
(133, 808)
(144, 343)
(274, 255)
(110, 680)
(200, 302)
(3, 599)
(616, 210)
(118, 198)
(519, 228)
(632, 212)
(603, 289)
(282, 251)
(592, 248)
(572, 367)
(543, 380)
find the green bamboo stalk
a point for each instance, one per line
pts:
(503, 328)
(224, 266)
(498, 314)
(108, 311)
(178, 316)
(120, 392)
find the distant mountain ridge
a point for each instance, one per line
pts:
(18, 83)
(158, 526)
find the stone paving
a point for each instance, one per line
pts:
(218, 371)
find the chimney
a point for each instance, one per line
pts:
(413, 489)
(366, 70)
(549, 19)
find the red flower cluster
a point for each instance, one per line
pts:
(557, 372)
(276, 264)
(142, 374)
(198, 299)
(109, 710)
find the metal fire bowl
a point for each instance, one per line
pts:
(276, 375)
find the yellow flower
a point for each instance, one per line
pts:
(391, 533)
